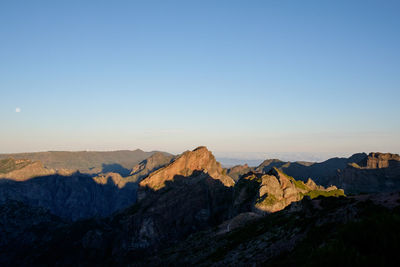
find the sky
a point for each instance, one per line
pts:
(245, 78)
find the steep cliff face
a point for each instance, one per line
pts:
(22, 169)
(379, 160)
(200, 159)
(274, 191)
(378, 172)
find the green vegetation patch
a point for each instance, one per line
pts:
(299, 184)
(332, 193)
(268, 200)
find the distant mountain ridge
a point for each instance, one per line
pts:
(91, 162)
(360, 173)
(377, 172)
(23, 169)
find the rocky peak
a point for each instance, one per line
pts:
(200, 159)
(376, 160)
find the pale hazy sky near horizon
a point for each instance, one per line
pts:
(241, 77)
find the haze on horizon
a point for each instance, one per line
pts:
(240, 77)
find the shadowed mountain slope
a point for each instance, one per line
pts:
(71, 197)
(319, 232)
(378, 172)
(335, 230)
(182, 206)
(320, 172)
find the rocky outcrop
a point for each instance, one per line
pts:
(274, 191)
(379, 160)
(375, 173)
(200, 159)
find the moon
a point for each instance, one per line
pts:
(18, 110)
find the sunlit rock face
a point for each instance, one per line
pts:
(380, 160)
(274, 191)
(200, 159)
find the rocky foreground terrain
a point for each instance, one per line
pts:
(189, 210)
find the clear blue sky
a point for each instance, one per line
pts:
(237, 76)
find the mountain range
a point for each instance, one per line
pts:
(90, 162)
(178, 210)
(360, 173)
